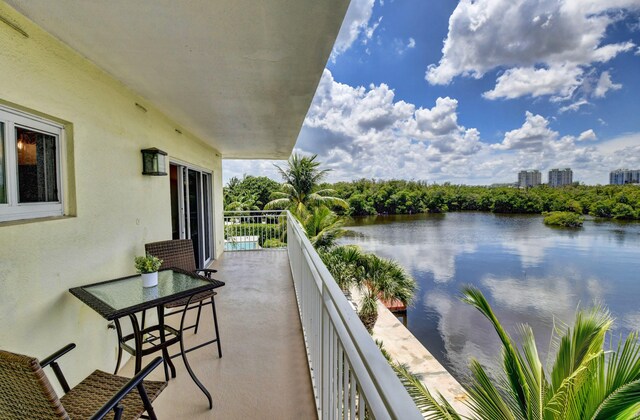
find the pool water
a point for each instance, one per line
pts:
(240, 246)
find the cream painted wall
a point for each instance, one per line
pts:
(117, 209)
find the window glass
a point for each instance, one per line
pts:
(3, 179)
(37, 161)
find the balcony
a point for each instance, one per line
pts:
(263, 371)
(272, 367)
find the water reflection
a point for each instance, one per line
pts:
(529, 272)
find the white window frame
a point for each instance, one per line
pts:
(13, 209)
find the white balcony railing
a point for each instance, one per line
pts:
(351, 379)
(251, 230)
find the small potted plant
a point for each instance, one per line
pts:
(148, 267)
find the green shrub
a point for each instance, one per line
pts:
(264, 231)
(274, 243)
(563, 218)
(623, 211)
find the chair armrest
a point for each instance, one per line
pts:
(133, 383)
(207, 271)
(52, 361)
(55, 356)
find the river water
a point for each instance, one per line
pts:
(530, 273)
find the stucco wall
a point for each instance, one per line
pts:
(115, 208)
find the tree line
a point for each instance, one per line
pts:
(369, 197)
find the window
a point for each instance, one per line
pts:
(30, 169)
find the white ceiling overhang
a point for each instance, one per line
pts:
(240, 74)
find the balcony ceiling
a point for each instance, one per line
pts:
(240, 74)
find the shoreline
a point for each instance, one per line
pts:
(404, 348)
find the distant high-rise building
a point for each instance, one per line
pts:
(624, 176)
(560, 177)
(528, 179)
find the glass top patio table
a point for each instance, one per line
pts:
(120, 297)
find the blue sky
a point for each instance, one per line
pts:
(474, 91)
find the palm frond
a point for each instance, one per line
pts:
(585, 381)
(623, 403)
(581, 342)
(534, 373)
(279, 194)
(278, 204)
(327, 200)
(430, 407)
(486, 401)
(512, 361)
(618, 391)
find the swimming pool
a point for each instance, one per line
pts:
(241, 246)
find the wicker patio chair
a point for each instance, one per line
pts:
(26, 393)
(178, 253)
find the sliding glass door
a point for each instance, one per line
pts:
(191, 209)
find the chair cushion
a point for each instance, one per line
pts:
(92, 393)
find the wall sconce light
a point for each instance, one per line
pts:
(153, 162)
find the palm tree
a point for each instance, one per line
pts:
(585, 382)
(343, 264)
(322, 226)
(242, 202)
(375, 277)
(299, 191)
(382, 278)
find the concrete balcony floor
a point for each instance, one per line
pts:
(263, 372)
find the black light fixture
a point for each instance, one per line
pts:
(153, 162)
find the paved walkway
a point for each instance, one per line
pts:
(405, 348)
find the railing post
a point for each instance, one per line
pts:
(325, 345)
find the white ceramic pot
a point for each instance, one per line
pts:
(149, 279)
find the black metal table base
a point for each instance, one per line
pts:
(186, 362)
(175, 336)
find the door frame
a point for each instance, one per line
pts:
(207, 206)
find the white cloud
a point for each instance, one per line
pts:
(366, 132)
(401, 47)
(587, 135)
(370, 30)
(532, 136)
(385, 136)
(239, 168)
(439, 120)
(536, 145)
(560, 81)
(546, 46)
(619, 152)
(574, 106)
(604, 85)
(356, 22)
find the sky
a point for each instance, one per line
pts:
(472, 92)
